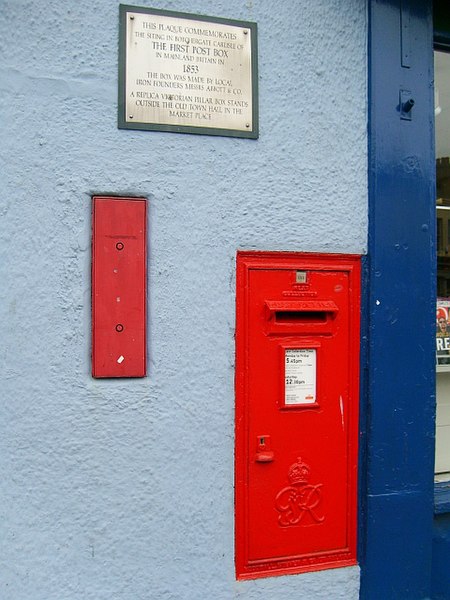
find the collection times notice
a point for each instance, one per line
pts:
(300, 376)
(187, 73)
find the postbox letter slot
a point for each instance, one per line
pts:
(300, 311)
(310, 316)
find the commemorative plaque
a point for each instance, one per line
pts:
(187, 73)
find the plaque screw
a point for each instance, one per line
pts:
(130, 116)
(247, 124)
(131, 17)
(245, 32)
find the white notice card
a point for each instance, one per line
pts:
(300, 376)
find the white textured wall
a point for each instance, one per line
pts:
(124, 489)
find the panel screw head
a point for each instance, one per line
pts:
(119, 246)
(119, 327)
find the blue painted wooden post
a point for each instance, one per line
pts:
(398, 507)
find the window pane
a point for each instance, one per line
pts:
(442, 122)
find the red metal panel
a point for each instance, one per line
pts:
(296, 451)
(119, 287)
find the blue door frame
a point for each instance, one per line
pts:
(397, 499)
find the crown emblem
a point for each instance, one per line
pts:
(298, 473)
(297, 502)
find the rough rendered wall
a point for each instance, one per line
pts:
(124, 489)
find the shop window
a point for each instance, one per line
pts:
(442, 128)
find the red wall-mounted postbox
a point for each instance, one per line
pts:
(297, 391)
(119, 287)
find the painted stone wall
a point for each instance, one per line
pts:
(124, 489)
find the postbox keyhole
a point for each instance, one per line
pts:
(264, 452)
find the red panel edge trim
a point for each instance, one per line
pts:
(295, 570)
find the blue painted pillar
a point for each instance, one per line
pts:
(398, 507)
